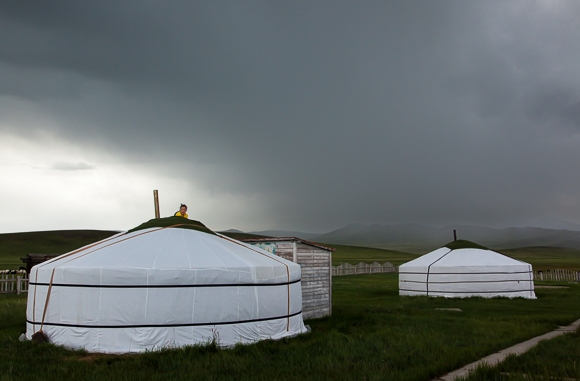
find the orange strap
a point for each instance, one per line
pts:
(34, 302)
(47, 299)
(75, 252)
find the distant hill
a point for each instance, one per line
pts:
(416, 238)
(236, 234)
(287, 233)
(554, 223)
(419, 238)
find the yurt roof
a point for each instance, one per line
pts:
(174, 250)
(462, 253)
(464, 244)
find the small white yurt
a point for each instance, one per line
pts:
(463, 269)
(170, 282)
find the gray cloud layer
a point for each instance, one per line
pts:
(429, 112)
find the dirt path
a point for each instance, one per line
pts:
(517, 349)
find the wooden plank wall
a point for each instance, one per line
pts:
(316, 282)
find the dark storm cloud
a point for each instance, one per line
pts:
(432, 112)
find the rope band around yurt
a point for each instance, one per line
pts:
(171, 325)
(215, 285)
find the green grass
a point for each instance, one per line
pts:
(16, 245)
(374, 334)
(558, 358)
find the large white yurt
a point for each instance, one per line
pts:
(170, 282)
(463, 269)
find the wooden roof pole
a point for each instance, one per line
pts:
(156, 201)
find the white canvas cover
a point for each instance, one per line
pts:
(164, 287)
(466, 272)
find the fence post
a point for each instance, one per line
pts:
(18, 285)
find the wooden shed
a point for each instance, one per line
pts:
(316, 263)
(32, 260)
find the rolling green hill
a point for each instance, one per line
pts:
(16, 245)
(356, 254)
(242, 235)
(546, 258)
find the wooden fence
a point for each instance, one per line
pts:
(557, 275)
(364, 268)
(13, 282)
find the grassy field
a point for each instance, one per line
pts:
(547, 258)
(373, 334)
(16, 245)
(356, 254)
(541, 258)
(556, 359)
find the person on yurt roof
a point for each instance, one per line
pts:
(182, 212)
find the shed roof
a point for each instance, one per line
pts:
(280, 239)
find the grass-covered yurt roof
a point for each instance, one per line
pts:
(464, 244)
(173, 222)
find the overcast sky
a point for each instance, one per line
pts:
(304, 115)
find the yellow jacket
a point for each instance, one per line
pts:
(178, 214)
